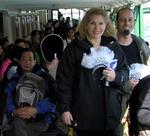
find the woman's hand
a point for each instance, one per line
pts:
(67, 117)
(109, 74)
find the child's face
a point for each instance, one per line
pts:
(27, 61)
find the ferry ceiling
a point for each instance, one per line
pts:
(56, 4)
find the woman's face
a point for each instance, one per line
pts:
(71, 33)
(96, 27)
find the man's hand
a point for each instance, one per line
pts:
(52, 64)
(133, 83)
(25, 112)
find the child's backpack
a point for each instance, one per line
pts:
(30, 90)
(139, 107)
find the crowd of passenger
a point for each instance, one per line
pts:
(62, 28)
(92, 86)
(10, 53)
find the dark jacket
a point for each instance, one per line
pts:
(140, 107)
(93, 105)
(144, 52)
(45, 105)
(143, 48)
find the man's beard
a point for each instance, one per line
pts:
(126, 32)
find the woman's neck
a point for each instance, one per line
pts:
(95, 42)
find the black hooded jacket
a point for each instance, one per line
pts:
(94, 105)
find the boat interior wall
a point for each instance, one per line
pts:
(56, 4)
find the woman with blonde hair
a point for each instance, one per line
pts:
(110, 29)
(89, 76)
